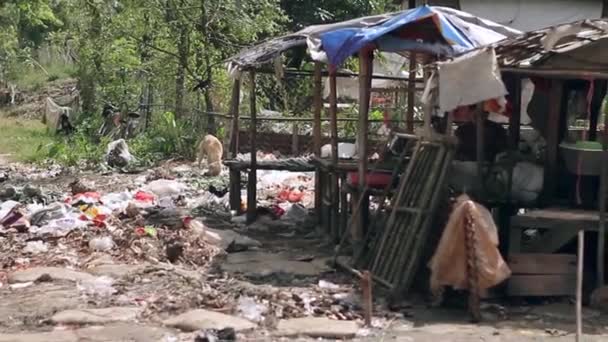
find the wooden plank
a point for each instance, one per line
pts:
(539, 263)
(252, 179)
(553, 125)
(557, 218)
(552, 241)
(541, 285)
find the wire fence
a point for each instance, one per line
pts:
(284, 107)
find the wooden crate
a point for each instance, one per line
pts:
(542, 275)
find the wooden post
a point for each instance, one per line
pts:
(333, 113)
(428, 107)
(365, 82)
(553, 126)
(295, 149)
(252, 179)
(316, 133)
(411, 93)
(579, 284)
(366, 289)
(601, 238)
(235, 175)
(515, 120)
(234, 109)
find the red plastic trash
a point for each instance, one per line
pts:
(144, 196)
(373, 179)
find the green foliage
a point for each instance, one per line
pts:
(118, 49)
(21, 139)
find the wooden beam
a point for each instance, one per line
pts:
(252, 179)
(563, 74)
(553, 126)
(411, 94)
(366, 57)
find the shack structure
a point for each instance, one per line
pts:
(423, 34)
(561, 61)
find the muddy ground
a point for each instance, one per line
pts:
(276, 285)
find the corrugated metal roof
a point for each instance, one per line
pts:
(534, 49)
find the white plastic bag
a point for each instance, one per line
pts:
(165, 188)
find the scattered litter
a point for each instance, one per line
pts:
(101, 244)
(35, 247)
(100, 286)
(249, 309)
(324, 284)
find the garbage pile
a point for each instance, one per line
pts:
(150, 223)
(281, 190)
(163, 258)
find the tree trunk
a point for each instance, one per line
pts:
(211, 126)
(88, 77)
(180, 79)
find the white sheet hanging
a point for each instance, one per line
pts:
(469, 79)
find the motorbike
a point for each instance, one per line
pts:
(119, 125)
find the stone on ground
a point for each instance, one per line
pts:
(112, 332)
(116, 270)
(262, 264)
(318, 327)
(39, 301)
(56, 273)
(201, 319)
(96, 316)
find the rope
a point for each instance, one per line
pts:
(471, 243)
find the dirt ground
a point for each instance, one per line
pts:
(266, 285)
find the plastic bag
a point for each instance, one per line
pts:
(116, 201)
(449, 263)
(117, 154)
(165, 188)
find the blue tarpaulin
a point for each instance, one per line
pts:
(445, 31)
(435, 30)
